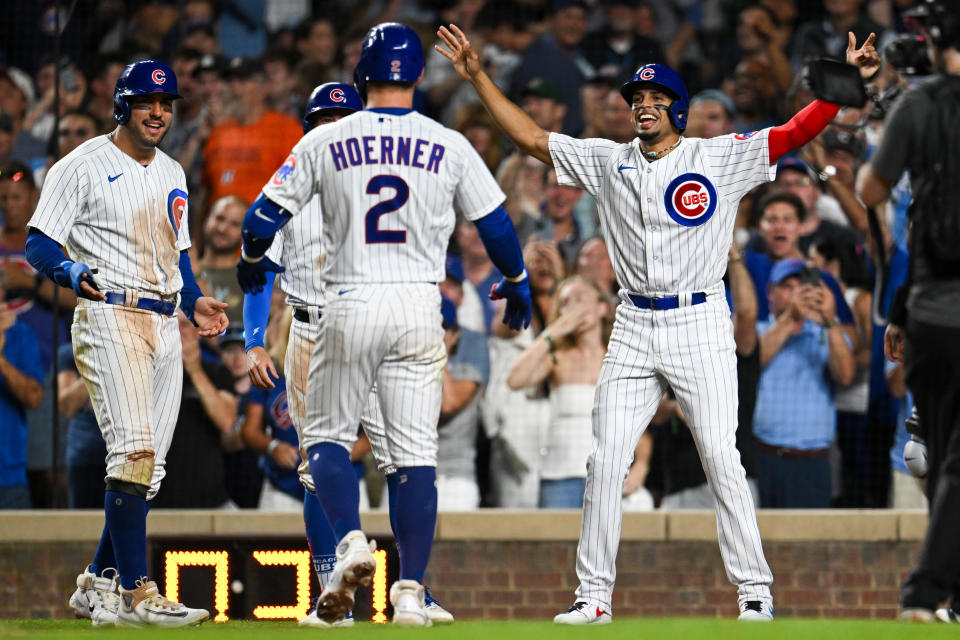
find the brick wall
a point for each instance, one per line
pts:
(498, 580)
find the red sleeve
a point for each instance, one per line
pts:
(801, 129)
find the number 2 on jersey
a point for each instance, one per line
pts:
(374, 234)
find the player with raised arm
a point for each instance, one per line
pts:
(389, 182)
(667, 206)
(300, 251)
(119, 206)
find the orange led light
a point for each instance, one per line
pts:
(300, 560)
(173, 560)
(380, 587)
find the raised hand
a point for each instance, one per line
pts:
(260, 368)
(866, 57)
(459, 52)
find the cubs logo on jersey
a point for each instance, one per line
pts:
(690, 199)
(176, 207)
(285, 170)
(744, 136)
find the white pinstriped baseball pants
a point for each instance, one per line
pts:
(132, 363)
(300, 346)
(691, 350)
(384, 334)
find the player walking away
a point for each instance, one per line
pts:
(301, 253)
(667, 206)
(119, 206)
(390, 181)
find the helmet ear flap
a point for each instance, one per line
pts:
(121, 109)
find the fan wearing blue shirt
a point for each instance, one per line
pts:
(803, 351)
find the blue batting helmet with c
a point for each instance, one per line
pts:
(141, 78)
(332, 95)
(391, 53)
(668, 79)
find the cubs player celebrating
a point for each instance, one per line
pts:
(300, 251)
(119, 205)
(389, 181)
(667, 206)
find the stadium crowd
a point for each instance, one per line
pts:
(821, 421)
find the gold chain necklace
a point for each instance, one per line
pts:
(656, 155)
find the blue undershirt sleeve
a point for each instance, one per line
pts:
(500, 240)
(256, 311)
(44, 255)
(190, 292)
(263, 220)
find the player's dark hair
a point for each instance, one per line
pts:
(783, 196)
(17, 172)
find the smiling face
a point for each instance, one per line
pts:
(650, 113)
(150, 118)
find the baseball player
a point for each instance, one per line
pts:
(667, 206)
(389, 181)
(119, 206)
(300, 251)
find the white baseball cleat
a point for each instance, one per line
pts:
(756, 611)
(314, 621)
(409, 604)
(947, 614)
(97, 597)
(355, 566)
(438, 615)
(145, 607)
(916, 614)
(584, 612)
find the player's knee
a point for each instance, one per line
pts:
(135, 468)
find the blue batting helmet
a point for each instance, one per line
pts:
(141, 78)
(337, 96)
(668, 79)
(391, 53)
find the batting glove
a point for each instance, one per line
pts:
(79, 273)
(253, 275)
(519, 305)
(915, 457)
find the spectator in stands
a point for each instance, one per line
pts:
(196, 474)
(316, 40)
(242, 153)
(73, 93)
(103, 80)
(562, 225)
(6, 137)
(241, 30)
(618, 122)
(711, 114)
(593, 96)
(836, 155)
(523, 180)
(281, 82)
(824, 215)
(593, 264)
(464, 377)
(21, 377)
(846, 262)
(86, 449)
(189, 111)
(617, 49)
(218, 266)
(755, 95)
(504, 26)
(827, 37)
(556, 56)
(456, 287)
(477, 267)
(803, 351)
(478, 128)
(567, 355)
(544, 101)
(75, 128)
(16, 98)
(757, 34)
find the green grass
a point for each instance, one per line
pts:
(622, 628)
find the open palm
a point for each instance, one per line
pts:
(459, 52)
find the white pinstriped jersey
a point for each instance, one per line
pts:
(668, 224)
(299, 248)
(125, 220)
(389, 185)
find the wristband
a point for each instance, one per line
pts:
(546, 336)
(271, 447)
(523, 274)
(831, 324)
(246, 258)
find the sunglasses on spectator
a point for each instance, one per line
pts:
(74, 132)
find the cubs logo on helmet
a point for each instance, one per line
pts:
(176, 207)
(331, 95)
(285, 170)
(391, 53)
(690, 199)
(668, 80)
(647, 74)
(142, 77)
(337, 95)
(159, 76)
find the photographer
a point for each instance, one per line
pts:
(924, 331)
(803, 350)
